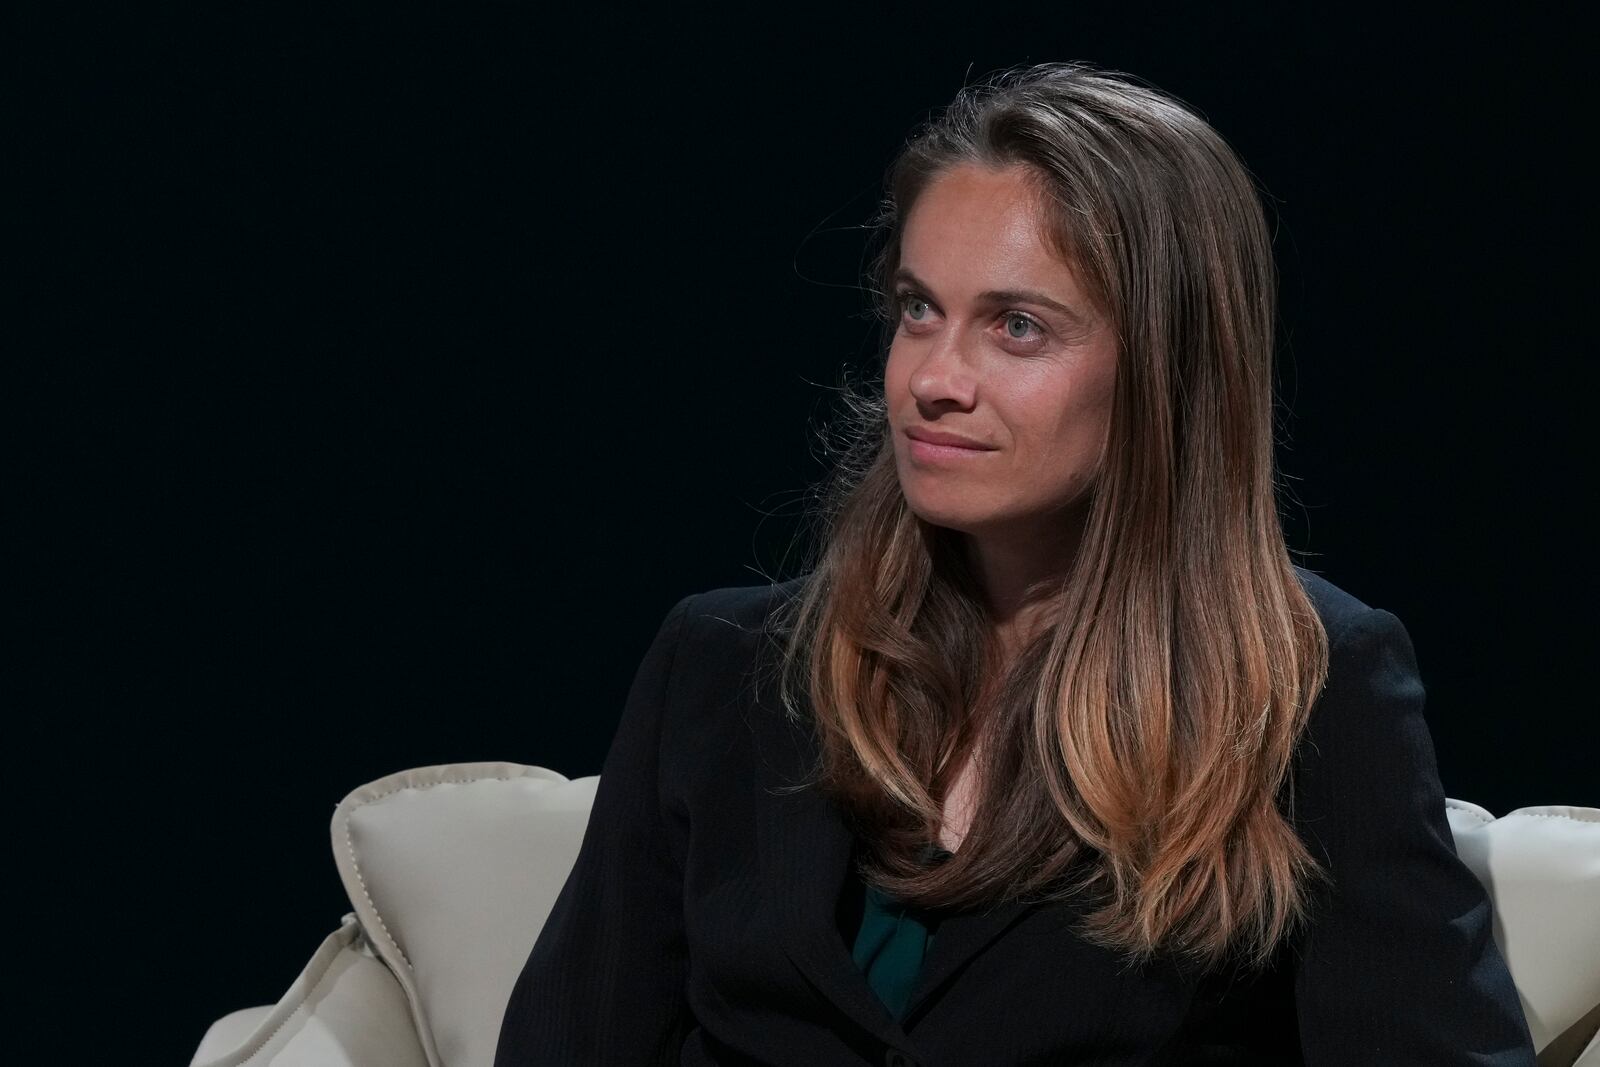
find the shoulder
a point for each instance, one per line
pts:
(732, 623)
(740, 608)
(1367, 734)
(723, 614)
(1338, 608)
(1370, 651)
(1365, 644)
(719, 636)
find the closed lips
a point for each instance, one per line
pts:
(937, 438)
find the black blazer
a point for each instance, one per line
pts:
(698, 925)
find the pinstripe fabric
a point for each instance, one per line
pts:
(700, 922)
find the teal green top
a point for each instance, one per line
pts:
(892, 941)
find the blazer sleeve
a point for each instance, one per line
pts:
(1399, 965)
(605, 981)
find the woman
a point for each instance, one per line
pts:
(1067, 762)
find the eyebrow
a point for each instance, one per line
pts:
(1001, 296)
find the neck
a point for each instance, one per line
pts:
(1019, 570)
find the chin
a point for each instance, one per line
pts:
(967, 519)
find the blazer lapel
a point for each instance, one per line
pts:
(958, 939)
(805, 847)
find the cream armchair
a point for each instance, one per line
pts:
(451, 871)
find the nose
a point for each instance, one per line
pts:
(944, 374)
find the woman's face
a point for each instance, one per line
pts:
(981, 352)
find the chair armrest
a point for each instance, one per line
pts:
(344, 1010)
(228, 1033)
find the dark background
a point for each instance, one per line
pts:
(390, 373)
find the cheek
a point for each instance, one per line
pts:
(896, 366)
(1070, 428)
(892, 385)
(891, 368)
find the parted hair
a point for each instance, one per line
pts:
(1134, 756)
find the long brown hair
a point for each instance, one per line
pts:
(1135, 752)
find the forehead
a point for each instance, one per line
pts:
(983, 226)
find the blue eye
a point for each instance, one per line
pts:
(1014, 316)
(905, 299)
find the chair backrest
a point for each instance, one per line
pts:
(453, 869)
(1541, 867)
